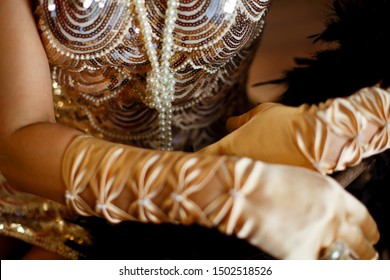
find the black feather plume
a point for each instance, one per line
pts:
(359, 31)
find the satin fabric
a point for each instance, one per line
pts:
(267, 205)
(329, 137)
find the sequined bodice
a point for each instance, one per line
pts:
(99, 65)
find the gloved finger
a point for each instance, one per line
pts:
(234, 123)
(358, 214)
(356, 241)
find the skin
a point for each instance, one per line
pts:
(30, 124)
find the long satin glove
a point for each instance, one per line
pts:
(289, 212)
(327, 138)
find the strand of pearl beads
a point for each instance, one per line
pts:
(160, 87)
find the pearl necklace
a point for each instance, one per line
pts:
(160, 87)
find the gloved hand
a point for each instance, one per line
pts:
(327, 138)
(289, 212)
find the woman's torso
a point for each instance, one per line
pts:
(100, 66)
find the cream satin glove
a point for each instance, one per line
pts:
(289, 212)
(327, 138)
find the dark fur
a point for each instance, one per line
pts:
(358, 57)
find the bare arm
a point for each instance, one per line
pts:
(31, 144)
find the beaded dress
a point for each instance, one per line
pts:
(100, 66)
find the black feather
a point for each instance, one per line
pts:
(359, 31)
